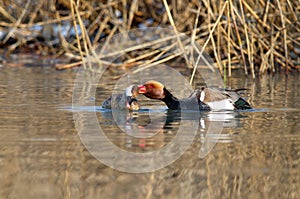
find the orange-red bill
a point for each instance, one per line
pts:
(142, 89)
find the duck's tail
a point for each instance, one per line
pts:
(242, 104)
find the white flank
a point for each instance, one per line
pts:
(225, 104)
(202, 96)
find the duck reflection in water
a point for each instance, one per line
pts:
(151, 130)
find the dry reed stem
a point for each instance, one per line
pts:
(244, 23)
(86, 41)
(284, 37)
(212, 39)
(266, 12)
(295, 18)
(238, 37)
(34, 14)
(272, 49)
(7, 15)
(175, 31)
(64, 42)
(147, 65)
(255, 15)
(205, 44)
(228, 42)
(67, 66)
(219, 43)
(194, 32)
(152, 52)
(111, 34)
(54, 21)
(72, 4)
(251, 52)
(141, 46)
(125, 17)
(10, 33)
(162, 51)
(133, 7)
(94, 24)
(250, 55)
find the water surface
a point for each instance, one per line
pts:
(257, 154)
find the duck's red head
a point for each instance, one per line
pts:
(152, 89)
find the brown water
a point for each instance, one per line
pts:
(41, 155)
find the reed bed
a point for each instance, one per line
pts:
(258, 36)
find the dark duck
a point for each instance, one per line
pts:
(124, 101)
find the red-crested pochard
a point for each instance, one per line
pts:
(204, 99)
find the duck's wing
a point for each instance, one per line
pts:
(223, 99)
(218, 99)
(213, 95)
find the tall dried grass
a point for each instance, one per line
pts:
(258, 36)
